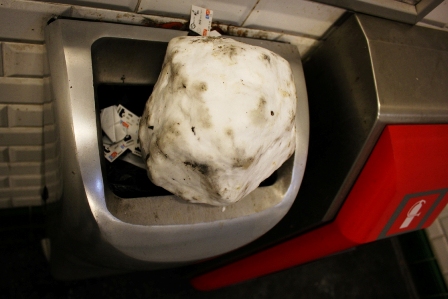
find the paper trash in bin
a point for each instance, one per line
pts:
(121, 127)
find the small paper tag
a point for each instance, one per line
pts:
(201, 20)
(128, 118)
(113, 151)
(130, 121)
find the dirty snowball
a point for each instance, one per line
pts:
(220, 120)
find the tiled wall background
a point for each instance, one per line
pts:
(438, 236)
(438, 18)
(26, 123)
(24, 105)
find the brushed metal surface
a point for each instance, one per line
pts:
(406, 11)
(369, 73)
(144, 233)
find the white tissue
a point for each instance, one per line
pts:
(112, 125)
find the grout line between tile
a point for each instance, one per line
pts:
(22, 41)
(2, 71)
(445, 233)
(137, 6)
(248, 15)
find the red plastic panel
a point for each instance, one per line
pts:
(409, 217)
(408, 164)
(402, 187)
(311, 246)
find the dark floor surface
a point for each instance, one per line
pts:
(374, 270)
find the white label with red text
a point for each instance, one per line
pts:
(201, 20)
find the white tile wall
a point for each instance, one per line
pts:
(435, 230)
(438, 18)
(25, 153)
(24, 20)
(20, 136)
(5, 193)
(47, 95)
(25, 180)
(4, 156)
(87, 13)
(24, 60)
(24, 168)
(444, 214)
(4, 182)
(52, 166)
(4, 169)
(25, 115)
(231, 11)
(50, 150)
(440, 246)
(438, 236)
(3, 115)
(23, 90)
(50, 133)
(123, 5)
(48, 116)
(1, 60)
(293, 16)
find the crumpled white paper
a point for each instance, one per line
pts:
(121, 128)
(111, 124)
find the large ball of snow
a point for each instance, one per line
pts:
(220, 120)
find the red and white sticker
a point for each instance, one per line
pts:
(113, 151)
(201, 20)
(413, 212)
